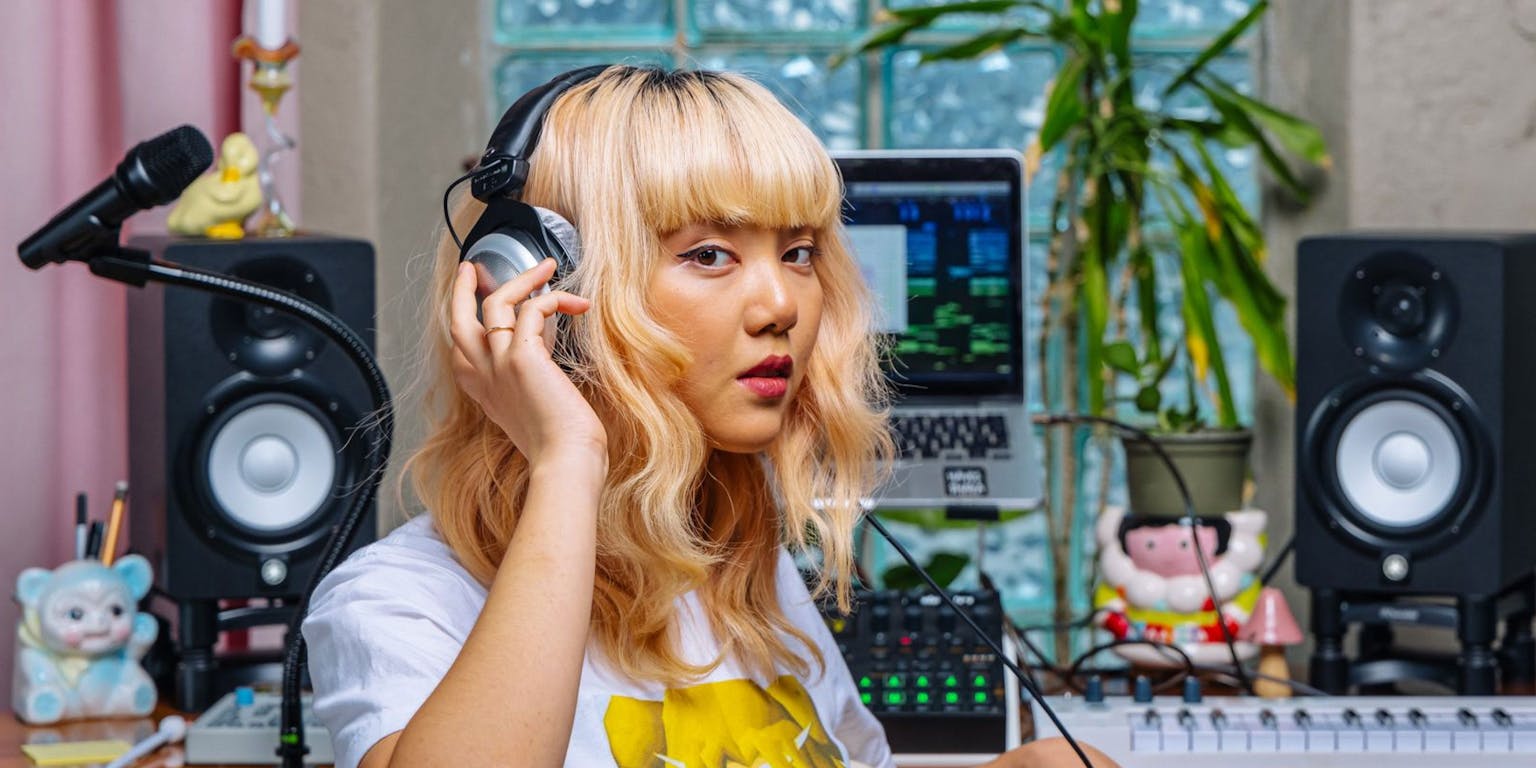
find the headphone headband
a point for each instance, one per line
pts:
(503, 169)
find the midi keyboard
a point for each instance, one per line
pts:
(1322, 732)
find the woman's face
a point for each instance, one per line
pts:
(746, 303)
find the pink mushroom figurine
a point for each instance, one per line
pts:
(1272, 627)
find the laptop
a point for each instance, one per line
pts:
(940, 237)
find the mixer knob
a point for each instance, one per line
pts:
(1142, 693)
(1094, 692)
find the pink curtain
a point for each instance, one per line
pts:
(83, 81)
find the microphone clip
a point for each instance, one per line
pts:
(125, 265)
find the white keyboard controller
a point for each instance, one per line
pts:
(1409, 731)
(241, 729)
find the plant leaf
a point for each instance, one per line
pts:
(927, 14)
(1064, 107)
(1145, 271)
(880, 37)
(1148, 399)
(1240, 120)
(1293, 133)
(1217, 47)
(1260, 306)
(978, 45)
(903, 577)
(1201, 341)
(1165, 366)
(1085, 27)
(944, 567)
(1118, 30)
(1122, 357)
(1234, 214)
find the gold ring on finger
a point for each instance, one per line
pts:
(496, 328)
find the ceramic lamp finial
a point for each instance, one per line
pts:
(1272, 622)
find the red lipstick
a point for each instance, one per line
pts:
(769, 378)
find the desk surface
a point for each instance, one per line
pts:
(13, 734)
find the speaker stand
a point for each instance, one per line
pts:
(1473, 671)
(202, 676)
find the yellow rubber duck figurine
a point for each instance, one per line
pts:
(217, 203)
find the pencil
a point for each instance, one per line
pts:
(114, 523)
(81, 524)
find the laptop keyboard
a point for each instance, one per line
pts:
(933, 436)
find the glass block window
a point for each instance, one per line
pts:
(890, 100)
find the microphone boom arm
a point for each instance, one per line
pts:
(135, 267)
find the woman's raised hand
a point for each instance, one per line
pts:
(505, 365)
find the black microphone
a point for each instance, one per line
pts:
(152, 173)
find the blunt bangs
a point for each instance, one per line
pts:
(745, 160)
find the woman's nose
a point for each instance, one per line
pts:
(772, 305)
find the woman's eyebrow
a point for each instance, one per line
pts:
(696, 232)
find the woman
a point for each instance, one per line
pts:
(602, 576)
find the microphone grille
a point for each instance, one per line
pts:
(172, 160)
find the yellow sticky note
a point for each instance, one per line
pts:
(76, 752)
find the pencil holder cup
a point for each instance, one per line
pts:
(80, 640)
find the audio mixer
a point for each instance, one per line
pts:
(936, 687)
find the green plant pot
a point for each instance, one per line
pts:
(1214, 464)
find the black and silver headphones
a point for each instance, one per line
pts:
(512, 236)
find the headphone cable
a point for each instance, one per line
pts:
(448, 219)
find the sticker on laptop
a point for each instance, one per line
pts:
(965, 481)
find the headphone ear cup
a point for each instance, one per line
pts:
(512, 237)
(564, 235)
(501, 255)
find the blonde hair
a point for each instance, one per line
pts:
(628, 158)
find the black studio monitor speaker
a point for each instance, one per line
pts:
(239, 417)
(1416, 412)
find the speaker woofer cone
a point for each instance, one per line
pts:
(1396, 464)
(269, 469)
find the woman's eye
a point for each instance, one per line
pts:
(708, 256)
(801, 255)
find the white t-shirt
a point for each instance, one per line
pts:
(386, 625)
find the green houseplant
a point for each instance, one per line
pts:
(1212, 462)
(1138, 185)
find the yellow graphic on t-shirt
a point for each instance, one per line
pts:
(721, 725)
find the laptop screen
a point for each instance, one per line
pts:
(940, 239)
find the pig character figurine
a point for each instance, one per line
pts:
(1153, 589)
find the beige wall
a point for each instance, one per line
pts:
(1429, 107)
(393, 100)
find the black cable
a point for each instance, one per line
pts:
(1274, 567)
(448, 219)
(1024, 679)
(1010, 629)
(1077, 663)
(1296, 685)
(1190, 519)
(128, 267)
